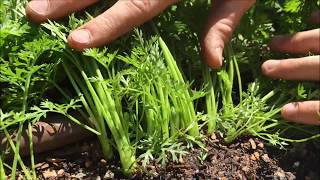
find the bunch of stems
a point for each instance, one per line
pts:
(102, 106)
(184, 101)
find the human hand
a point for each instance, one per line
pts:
(306, 68)
(126, 14)
(116, 21)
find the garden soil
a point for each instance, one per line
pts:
(247, 158)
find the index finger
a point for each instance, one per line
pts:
(42, 10)
(119, 19)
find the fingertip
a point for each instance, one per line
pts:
(79, 39)
(288, 111)
(306, 112)
(36, 11)
(269, 67)
(213, 57)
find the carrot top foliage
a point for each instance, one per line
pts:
(147, 96)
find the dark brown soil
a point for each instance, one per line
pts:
(302, 158)
(249, 158)
(246, 158)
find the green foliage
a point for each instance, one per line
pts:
(293, 6)
(147, 100)
(28, 66)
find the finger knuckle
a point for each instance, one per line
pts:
(140, 5)
(225, 29)
(106, 21)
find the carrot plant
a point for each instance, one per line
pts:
(256, 111)
(150, 81)
(27, 68)
(147, 96)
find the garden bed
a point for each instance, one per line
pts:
(247, 158)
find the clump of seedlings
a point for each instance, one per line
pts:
(137, 95)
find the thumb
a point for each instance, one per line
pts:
(224, 17)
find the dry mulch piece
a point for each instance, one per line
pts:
(247, 158)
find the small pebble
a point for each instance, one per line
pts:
(181, 160)
(220, 173)
(257, 155)
(60, 172)
(253, 157)
(280, 174)
(20, 177)
(261, 145)
(265, 158)
(253, 144)
(55, 164)
(245, 169)
(55, 160)
(79, 175)
(246, 145)
(109, 175)
(49, 173)
(42, 165)
(213, 136)
(103, 161)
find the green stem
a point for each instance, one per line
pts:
(17, 158)
(127, 156)
(230, 75)
(296, 140)
(238, 77)
(188, 111)
(106, 105)
(96, 116)
(16, 152)
(150, 114)
(268, 96)
(210, 99)
(2, 173)
(165, 109)
(30, 134)
(18, 138)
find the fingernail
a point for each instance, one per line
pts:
(288, 110)
(219, 53)
(81, 36)
(271, 65)
(40, 7)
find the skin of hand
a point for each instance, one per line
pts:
(224, 17)
(305, 68)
